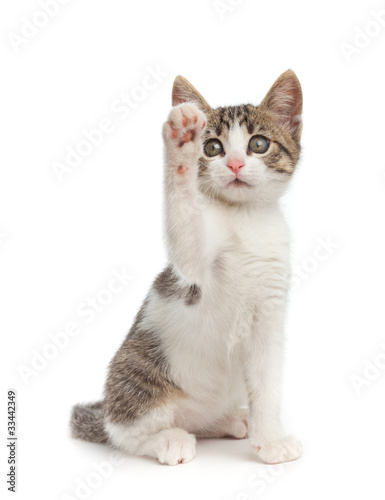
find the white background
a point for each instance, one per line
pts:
(60, 240)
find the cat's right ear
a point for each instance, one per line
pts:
(183, 91)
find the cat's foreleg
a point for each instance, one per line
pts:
(264, 360)
(184, 225)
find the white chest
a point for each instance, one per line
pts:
(249, 251)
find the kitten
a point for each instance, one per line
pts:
(204, 355)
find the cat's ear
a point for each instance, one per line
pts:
(284, 99)
(183, 91)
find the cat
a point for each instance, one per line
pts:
(204, 355)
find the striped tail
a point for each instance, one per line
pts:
(87, 422)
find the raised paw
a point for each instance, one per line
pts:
(175, 446)
(182, 135)
(285, 449)
(185, 123)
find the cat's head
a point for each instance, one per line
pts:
(249, 152)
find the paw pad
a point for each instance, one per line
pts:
(185, 123)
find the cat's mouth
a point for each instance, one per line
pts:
(238, 183)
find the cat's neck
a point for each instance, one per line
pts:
(246, 208)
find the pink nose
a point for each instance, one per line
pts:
(235, 165)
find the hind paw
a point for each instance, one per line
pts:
(175, 446)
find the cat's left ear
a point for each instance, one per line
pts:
(183, 91)
(284, 99)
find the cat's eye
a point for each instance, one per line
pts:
(259, 144)
(213, 147)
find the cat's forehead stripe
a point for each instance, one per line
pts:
(223, 118)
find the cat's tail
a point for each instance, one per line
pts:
(87, 422)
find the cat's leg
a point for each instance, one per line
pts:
(233, 425)
(153, 436)
(184, 225)
(264, 355)
(141, 399)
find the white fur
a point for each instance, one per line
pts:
(226, 351)
(154, 436)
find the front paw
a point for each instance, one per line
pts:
(281, 450)
(182, 134)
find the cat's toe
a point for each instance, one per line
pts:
(178, 447)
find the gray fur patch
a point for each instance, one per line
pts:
(168, 286)
(87, 422)
(138, 379)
